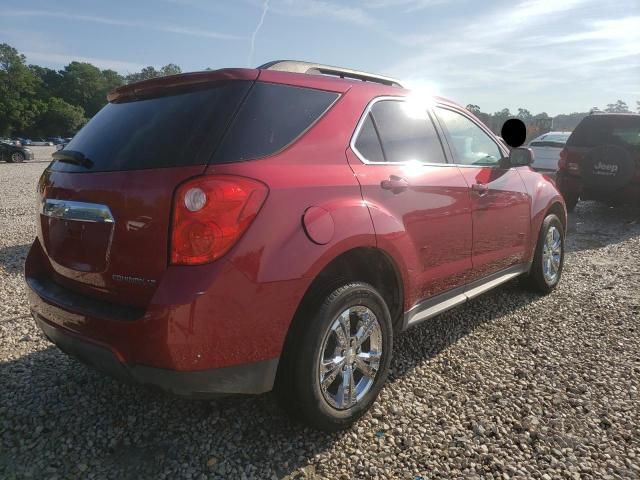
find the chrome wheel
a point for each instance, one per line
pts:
(350, 360)
(552, 255)
(17, 157)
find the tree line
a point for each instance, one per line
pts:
(38, 101)
(540, 122)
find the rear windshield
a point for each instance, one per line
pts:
(550, 140)
(622, 130)
(169, 131)
(187, 129)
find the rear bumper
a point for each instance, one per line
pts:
(207, 330)
(573, 184)
(253, 378)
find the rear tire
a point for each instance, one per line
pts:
(337, 358)
(570, 201)
(16, 157)
(548, 260)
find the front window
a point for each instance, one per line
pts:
(470, 144)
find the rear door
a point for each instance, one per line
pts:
(500, 202)
(106, 200)
(419, 204)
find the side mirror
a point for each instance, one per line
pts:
(520, 157)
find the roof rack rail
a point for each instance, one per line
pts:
(296, 66)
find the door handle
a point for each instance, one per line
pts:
(480, 188)
(394, 183)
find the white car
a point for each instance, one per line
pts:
(546, 150)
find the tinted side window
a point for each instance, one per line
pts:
(272, 117)
(470, 144)
(406, 135)
(622, 130)
(368, 143)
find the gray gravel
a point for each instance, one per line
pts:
(511, 385)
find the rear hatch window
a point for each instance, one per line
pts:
(170, 131)
(621, 130)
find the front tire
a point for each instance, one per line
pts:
(548, 260)
(332, 371)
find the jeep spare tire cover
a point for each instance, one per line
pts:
(607, 167)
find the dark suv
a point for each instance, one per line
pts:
(241, 230)
(601, 160)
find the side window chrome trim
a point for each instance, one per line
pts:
(363, 119)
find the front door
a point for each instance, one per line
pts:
(419, 203)
(500, 202)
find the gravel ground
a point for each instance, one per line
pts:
(511, 385)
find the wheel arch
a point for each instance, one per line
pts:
(366, 264)
(558, 209)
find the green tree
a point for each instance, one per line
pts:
(48, 81)
(58, 118)
(150, 72)
(170, 69)
(483, 117)
(524, 115)
(17, 92)
(618, 107)
(475, 109)
(86, 86)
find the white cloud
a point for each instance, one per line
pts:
(407, 6)
(177, 29)
(526, 49)
(323, 9)
(252, 47)
(49, 58)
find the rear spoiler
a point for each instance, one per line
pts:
(163, 85)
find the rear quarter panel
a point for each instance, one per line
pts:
(313, 171)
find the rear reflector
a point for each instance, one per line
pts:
(210, 214)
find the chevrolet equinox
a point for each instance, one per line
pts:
(243, 230)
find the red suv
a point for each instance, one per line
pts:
(241, 230)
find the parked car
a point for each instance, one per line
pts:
(14, 153)
(546, 150)
(59, 147)
(601, 160)
(55, 140)
(284, 241)
(24, 141)
(41, 142)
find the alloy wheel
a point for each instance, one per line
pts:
(350, 359)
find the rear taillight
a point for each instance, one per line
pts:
(567, 163)
(562, 163)
(210, 214)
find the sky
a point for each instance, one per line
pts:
(557, 56)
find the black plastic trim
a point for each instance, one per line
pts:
(251, 378)
(67, 299)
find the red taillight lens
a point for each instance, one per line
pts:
(210, 214)
(562, 163)
(568, 161)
